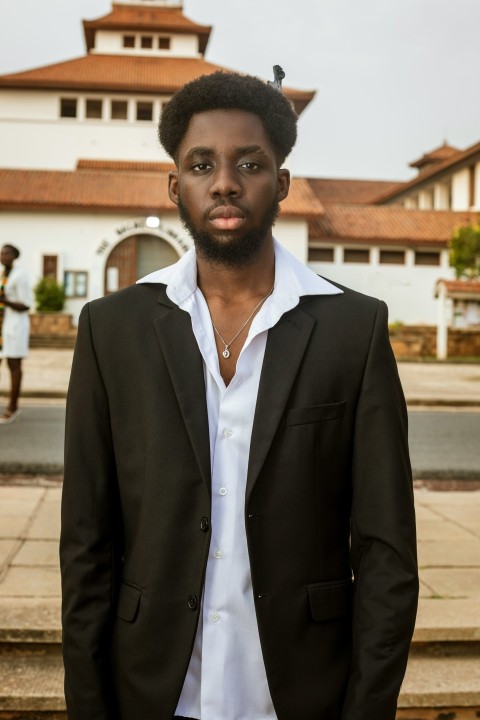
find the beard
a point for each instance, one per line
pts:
(230, 250)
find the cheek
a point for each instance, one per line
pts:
(190, 194)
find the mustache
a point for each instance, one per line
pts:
(227, 203)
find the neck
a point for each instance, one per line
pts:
(238, 283)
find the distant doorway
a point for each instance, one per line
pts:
(135, 257)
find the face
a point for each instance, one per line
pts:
(227, 186)
(6, 256)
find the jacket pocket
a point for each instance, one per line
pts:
(330, 600)
(128, 602)
(315, 413)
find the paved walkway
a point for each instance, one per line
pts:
(449, 558)
(46, 374)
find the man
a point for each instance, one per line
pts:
(238, 535)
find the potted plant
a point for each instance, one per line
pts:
(49, 295)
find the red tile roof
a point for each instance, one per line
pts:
(84, 189)
(444, 152)
(110, 190)
(125, 165)
(462, 158)
(147, 19)
(334, 190)
(459, 287)
(127, 73)
(370, 224)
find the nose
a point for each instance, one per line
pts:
(225, 181)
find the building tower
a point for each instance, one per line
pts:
(83, 182)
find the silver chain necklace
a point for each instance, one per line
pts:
(226, 351)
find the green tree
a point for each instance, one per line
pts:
(465, 252)
(49, 295)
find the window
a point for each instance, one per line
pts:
(75, 283)
(94, 109)
(129, 41)
(427, 258)
(68, 107)
(355, 255)
(146, 42)
(50, 265)
(144, 111)
(119, 110)
(392, 257)
(164, 43)
(316, 254)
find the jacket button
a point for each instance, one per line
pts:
(192, 602)
(204, 525)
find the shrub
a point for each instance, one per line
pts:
(465, 252)
(49, 295)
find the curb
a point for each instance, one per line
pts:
(412, 403)
(19, 468)
(40, 394)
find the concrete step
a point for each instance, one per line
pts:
(442, 680)
(447, 620)
(30, 621)
(31, 683)
(31, 667)
(445, 713)
(442, 676)
(52, 341)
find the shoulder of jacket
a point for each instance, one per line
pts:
(349, 296)
(138, 294)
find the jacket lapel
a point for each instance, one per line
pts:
(184, 363)
(286, 345)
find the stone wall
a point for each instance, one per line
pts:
(420, 341)
(408, 341)
(51, 323)
(52, 329)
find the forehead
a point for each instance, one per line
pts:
(220, 129)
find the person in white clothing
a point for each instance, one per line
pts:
(15, 300)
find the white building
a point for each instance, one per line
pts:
(83, 180)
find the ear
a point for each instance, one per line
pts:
(173, 186)
(283, 184)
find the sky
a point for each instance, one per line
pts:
(394, 78)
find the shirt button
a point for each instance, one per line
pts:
(223, 491)
(192, 602)
(204, 525)
(218, 554)
(214, 617)
(227, 433)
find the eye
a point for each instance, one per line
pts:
(250, 165)
(200, 167)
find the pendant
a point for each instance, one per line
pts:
(226, 353)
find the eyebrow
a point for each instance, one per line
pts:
(210, 151)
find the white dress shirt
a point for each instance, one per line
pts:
(226, 678)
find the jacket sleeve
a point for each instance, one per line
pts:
(90, 536)
(383, 539)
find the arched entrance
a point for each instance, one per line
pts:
(135, 257)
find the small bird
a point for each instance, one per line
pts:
(278, 76)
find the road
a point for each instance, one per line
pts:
(443, 444)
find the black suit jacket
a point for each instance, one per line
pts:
(329, 495)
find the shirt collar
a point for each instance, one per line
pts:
(293, 279)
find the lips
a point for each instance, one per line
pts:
(226, 217)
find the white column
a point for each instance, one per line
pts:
(442, 328)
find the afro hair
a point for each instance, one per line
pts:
(225, 91)
(15, 251)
